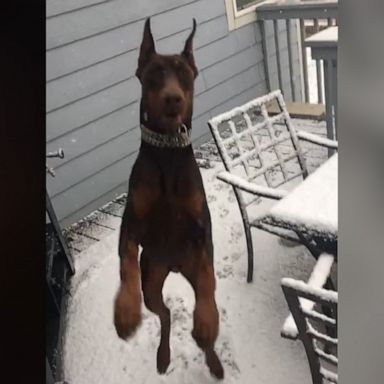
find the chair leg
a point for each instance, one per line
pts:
(328, 311)
(313, 360)
(329, 284)
(314, 365)
(248, 237)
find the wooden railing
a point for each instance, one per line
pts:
(310, 16)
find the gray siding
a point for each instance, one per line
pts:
(93, 95)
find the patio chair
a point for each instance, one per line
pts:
(260, 154)
(317, 331)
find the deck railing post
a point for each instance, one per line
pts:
(277, 48)
(265, 53)
(334, 93)
(305, 62)
(290, 58)
(320, 96)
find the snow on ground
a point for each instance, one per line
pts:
(251, 315)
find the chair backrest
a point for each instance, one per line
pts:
(317, 331)
(266, 147)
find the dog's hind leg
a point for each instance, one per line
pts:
(153, 276)
(205, 317)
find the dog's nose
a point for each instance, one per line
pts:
(173, 99)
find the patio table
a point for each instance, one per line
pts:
(310, 209)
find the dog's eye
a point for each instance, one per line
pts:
(185, 77)
(160, 70)
(184, 71)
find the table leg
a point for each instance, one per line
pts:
(334, 93)
(327, 65)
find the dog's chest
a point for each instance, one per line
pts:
(176, 218)
(175, 210)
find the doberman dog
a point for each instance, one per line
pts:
(166, 210)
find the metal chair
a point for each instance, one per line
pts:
(316, 330)
(260, 154)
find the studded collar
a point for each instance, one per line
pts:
(181, 139)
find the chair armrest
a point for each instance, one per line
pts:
(316, 139)
(255, 189)
(318, 278)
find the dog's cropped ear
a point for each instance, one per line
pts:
(147, 48)
(188, 50)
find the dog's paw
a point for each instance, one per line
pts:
(214, 365)
(206, 324)
(127, 315)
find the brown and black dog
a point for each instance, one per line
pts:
(166, 210)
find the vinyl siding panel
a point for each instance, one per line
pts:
(105, 16)
(91, 163)
(209, 31)
(230, 66)
(92, 79)
(95, 134)
(225, 90)
(92, 108)
(90, 189)
(84, 53)
(58, 7)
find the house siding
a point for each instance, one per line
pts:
(93, 94)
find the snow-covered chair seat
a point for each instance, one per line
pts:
(317, 330)
(260, 153)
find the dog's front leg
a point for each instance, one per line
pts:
(128, 300)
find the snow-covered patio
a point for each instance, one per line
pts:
(251, 315)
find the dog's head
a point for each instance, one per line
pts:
(167, 84)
